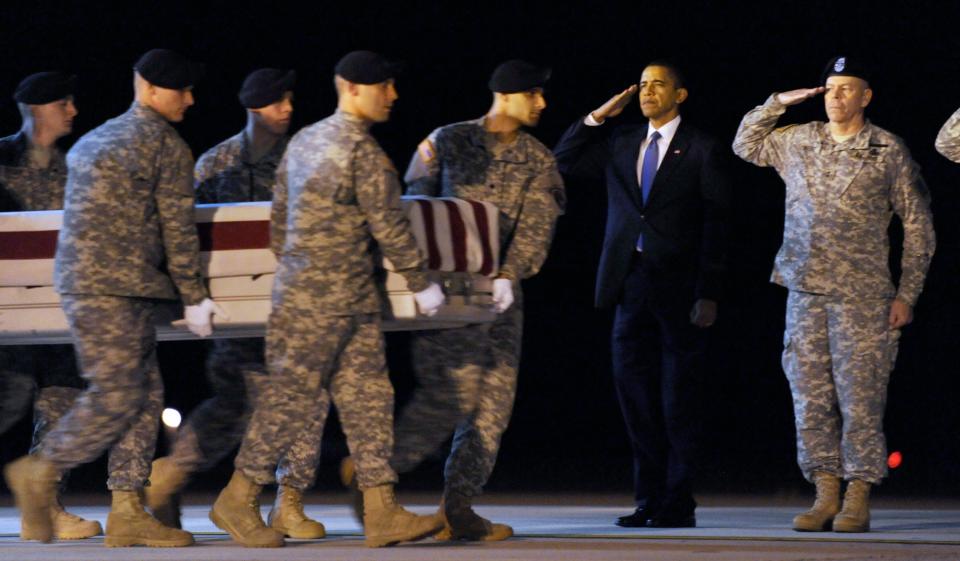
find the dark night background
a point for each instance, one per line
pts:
(566, 433)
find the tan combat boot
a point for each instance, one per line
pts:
(825, 507)
(69, 526)
(288, 518)
(33, 482)
(129, 524)
(855, 514)
(348, 476)
(237, 512)
(462, 523)
(387, 523)
(162, 496)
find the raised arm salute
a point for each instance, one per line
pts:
(844, 180)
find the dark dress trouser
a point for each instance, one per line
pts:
(657, 368)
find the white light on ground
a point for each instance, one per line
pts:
(170, 417)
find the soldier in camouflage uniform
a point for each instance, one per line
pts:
(336, 193)
(128, 242)
(33, 173)
(844, 180)
(241, 168)
(467, 377)
(948, 139)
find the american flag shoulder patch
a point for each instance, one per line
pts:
(427, 152)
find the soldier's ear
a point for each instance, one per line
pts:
(867, 97)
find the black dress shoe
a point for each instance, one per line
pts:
(638, 519)
(672, 520)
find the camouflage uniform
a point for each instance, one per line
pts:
(948, 140)
(52, 366)
(235, 370)
(467, 377)
(336, 193)
(128, 241)
(838, 347)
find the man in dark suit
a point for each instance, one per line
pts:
(662, 267)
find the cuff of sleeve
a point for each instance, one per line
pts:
(416, 281)
(908, 299)
(774, 104)
(590, 121)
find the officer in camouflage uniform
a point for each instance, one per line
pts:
(948, 139)
(127, 243)
(241, 168)
(336, 193)
(467, 378)
(844, 180)
(33, 173)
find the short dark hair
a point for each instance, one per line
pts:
(673, 69)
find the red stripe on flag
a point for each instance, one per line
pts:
(480, 214)
(247, 234)
(433, 251)
(36, 244)
(458, 231)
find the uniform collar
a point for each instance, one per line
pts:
(142, 111)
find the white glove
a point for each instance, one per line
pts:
(502, 295)
(198, 317)
(429, 299)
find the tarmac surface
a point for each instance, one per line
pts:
(547, 528)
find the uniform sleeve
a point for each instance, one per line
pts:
(378, 195)
(910, 200)
(175, 201)
(758, 141)
(948, 140)
(203, 173)
(583, 150)
(423, 173)
(543, 204)
(278, 208)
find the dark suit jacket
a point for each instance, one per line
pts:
(684, 220)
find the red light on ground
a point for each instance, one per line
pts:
(895, 460)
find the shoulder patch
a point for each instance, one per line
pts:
(427, 151)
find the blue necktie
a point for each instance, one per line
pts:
(648, 172)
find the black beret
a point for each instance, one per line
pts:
(845, 66)
(265, 86)
(518, 76)
(366, 67)
(44, 87)
(167, 69)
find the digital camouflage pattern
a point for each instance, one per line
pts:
(120, 410)
(838, 354)
(464, 160)
(314, 358)
(128, 223)
(235, 367)
(54, 367)
(336, 193)
(840, 199)
(25, 186)
(466, 383)
(467, 377)
(225, 173)
(838, 346)
(948, 139)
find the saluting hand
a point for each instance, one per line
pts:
(794, 97)
(614, 106)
